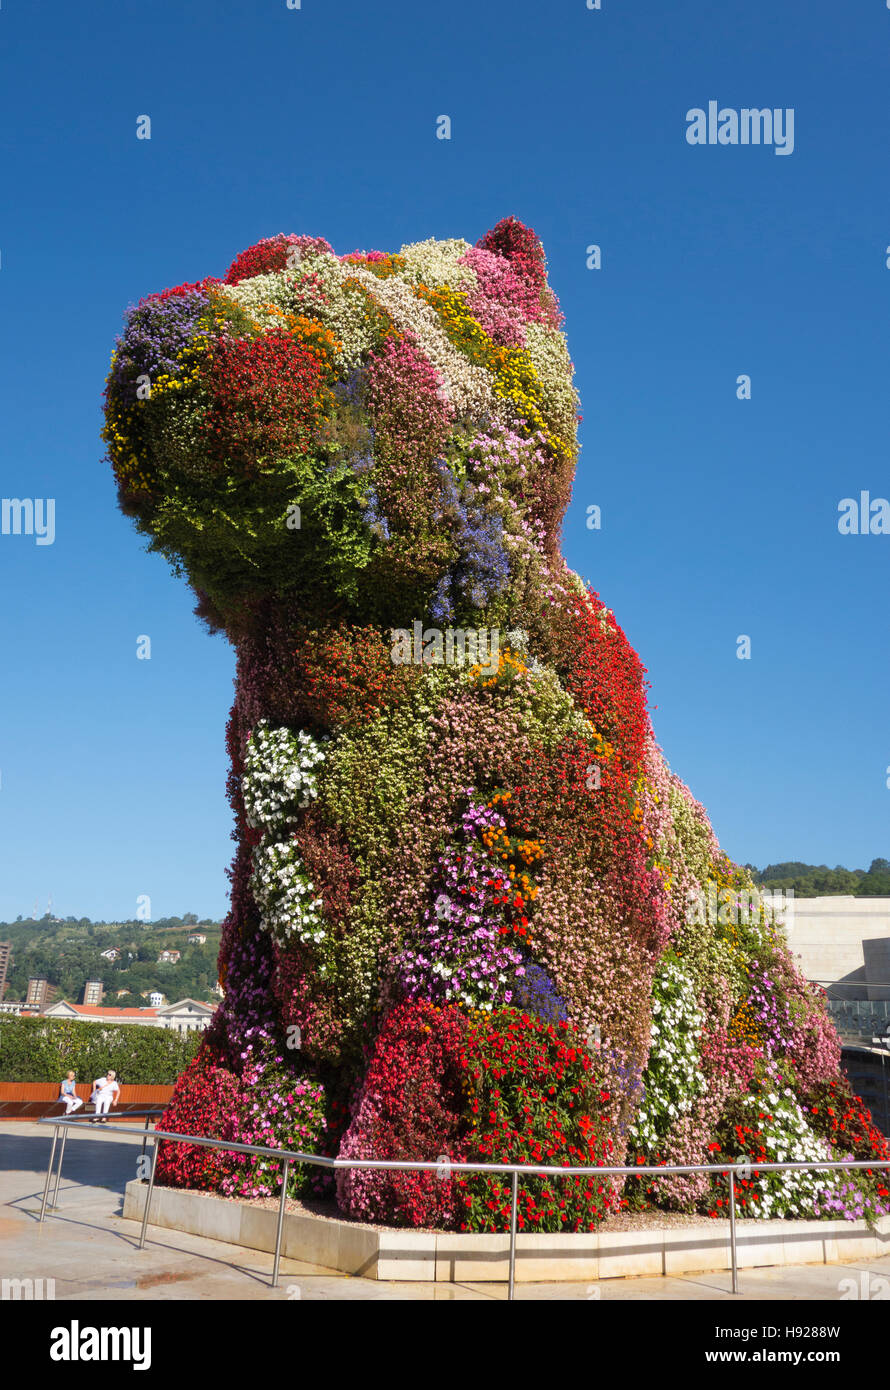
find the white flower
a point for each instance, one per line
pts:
(282, 891)
(279, 775)
(435, 263)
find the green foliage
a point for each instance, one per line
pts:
(370, 810)
(40, 1049)
(817, 880)
(245, 535)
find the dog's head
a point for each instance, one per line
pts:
(371, 435)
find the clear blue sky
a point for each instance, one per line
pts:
(719, 515)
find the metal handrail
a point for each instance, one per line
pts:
(77, 1122)
(319, 1160)
(446, 1167)
(125, 1114)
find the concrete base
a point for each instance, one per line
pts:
(419, 1256)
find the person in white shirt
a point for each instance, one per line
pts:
(68, 1094)
(105, 1094)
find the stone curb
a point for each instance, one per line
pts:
(347, 1248)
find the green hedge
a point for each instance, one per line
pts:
(42, 1049)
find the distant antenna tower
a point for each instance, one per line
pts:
(34, 910)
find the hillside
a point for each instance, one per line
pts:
(817, 880)
(68, 953)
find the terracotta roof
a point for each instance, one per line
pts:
(100, 1011)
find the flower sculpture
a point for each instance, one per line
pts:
(473, 913)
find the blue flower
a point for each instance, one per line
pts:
(482, 569)
(155, 333)
(350, 391)
(536, 993)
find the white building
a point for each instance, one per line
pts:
(186, 1015)
(183, 1016)
(844, 942)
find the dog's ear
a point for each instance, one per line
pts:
(519, 245)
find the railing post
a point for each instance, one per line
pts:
(281, 1206)
(732, 1244)
(59, 1170)
(513, 1196)
(49, 1172)
(151, 1184)
(145, 1135)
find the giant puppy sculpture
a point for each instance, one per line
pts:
(473, 912)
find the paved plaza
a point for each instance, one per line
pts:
(90, 1252)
